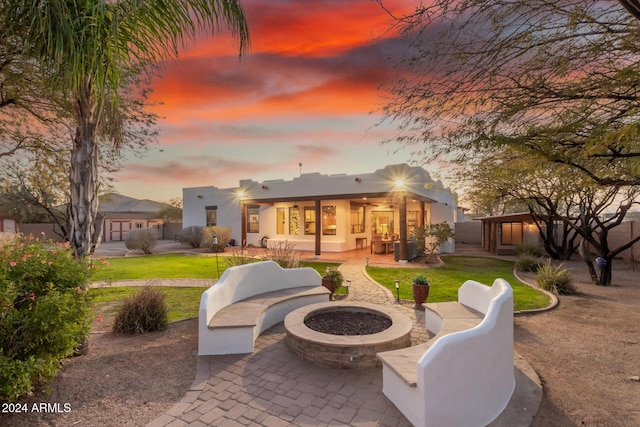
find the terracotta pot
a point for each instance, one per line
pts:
(420, 294)
(328, 283)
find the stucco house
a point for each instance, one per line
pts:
(326, 213)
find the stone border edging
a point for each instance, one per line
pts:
(552, 304)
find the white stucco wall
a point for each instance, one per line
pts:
(314, 185)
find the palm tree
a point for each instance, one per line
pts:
(86, 49)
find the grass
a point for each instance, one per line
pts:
(172, 266)
(165, 266)
(446, 280)
(182, 303)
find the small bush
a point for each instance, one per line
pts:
(192, 236)
(527, 262)
(284, 254)
(555, 279)
(141, 239)
(222, 233)
(246, 256)
(529, 249)
(144, 311)
(45, 312)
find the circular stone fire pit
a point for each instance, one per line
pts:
(345, 351)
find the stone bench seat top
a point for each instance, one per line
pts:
(456, 317)
(245, 313)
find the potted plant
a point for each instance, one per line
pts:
(420, 290)
(332, 280)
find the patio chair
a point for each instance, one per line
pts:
(376, 245)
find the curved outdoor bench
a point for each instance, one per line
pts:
(464, 375)
(249, 299)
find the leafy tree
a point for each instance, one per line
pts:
(557, 79)
(586, 212)
(173, 212)
(87, 50)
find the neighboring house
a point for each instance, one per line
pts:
(7, 225)
(118, 214)
(501, 234)
(331, 213)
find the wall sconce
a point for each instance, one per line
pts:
(358, 179)
(265, 187)
(398, 291)
(348, 285)
(199, 196)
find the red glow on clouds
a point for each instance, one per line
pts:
(313, 65)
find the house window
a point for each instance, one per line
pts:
(212, 215)
(357, 219)
(511, 233)
(294, 220)
(329, 221)
(309, 220)
(253, 218)
(281, 220)
(412, 221)
(382, 223)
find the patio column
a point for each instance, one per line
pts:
(421, 214)
(243, 225)
(318, 228)
(404, 250)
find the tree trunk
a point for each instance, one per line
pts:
(83, 177)
(584, 254)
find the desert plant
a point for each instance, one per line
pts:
(528, 262)
(556, 279)
(438, 234)
(45, 312)
(141, 239)
(421, 280)
(223, 235)
(191, 236)
(144, 311)
(245, 256)
(529, 249)
(283, 253)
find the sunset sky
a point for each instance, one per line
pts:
(306, 92)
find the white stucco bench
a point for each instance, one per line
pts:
(464, 375)
(249, 299)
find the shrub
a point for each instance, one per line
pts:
(45, 312)
(529, 249)
(191, 236)
(284, 254)
(528, 262)
(141, 239)
(222, 233)
(437, 235)
(246, 256)
(555, 279)
(144, 311)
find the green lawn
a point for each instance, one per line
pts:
(182, 303)
(446, 280)
(165, 266)
(172, 266)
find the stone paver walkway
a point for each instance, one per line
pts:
(272, 387)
